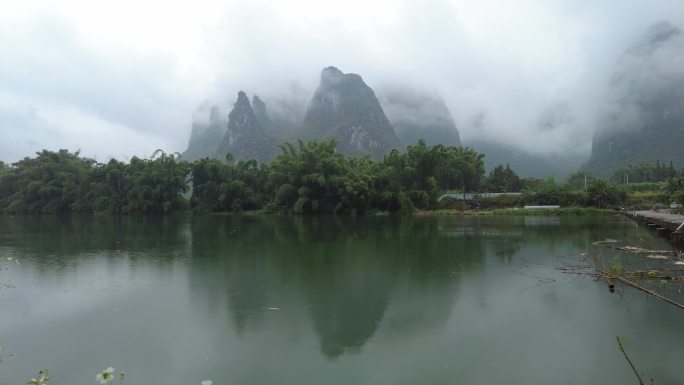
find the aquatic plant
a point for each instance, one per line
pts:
(41, 379)
(105, 376)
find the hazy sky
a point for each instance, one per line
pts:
(122, 78)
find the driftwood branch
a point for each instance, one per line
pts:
(638, 287)
(631, 249)
(622, 349)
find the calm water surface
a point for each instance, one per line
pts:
(325, 300)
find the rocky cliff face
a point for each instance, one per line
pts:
(345, 108)
(245, 137)
(643, 117)
(417, 114)
(208, 128)
(259, 108)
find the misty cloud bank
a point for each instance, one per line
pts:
(648, 83)
(124, 79)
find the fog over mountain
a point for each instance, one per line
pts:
(418, 114)
(642, 119)
(209, 126)
(117, 79)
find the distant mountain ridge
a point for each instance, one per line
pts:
(643, 118)
(245, 137)
(343, 107)
(208, 128)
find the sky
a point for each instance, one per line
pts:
(123, 78)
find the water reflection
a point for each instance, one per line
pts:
(345, 271)
(61, 240)
(330, 297)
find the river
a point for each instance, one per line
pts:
(326, 300)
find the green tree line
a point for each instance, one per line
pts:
(311, 177)
(644, 173)
(62, 181)
(307, 177)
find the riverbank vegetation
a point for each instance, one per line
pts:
(306, 178)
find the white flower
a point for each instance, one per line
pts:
(206, 382)
(105, 376)
(41, 380)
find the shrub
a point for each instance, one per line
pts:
(286, 195)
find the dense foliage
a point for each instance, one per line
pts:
(603, 193)
(644, 173)
(305, 178)
(502, 179)
(227, 186)
(311, 177)
(60, 182)
(598, 193)
(674, 189)
(49, 183)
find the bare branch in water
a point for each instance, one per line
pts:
(622, 349)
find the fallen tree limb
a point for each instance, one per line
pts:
(622, 349)
(638, 287)
(633, 249)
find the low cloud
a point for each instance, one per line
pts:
(128, 82)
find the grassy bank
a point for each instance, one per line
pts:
(521, 211)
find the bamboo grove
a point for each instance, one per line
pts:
(307, 177)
